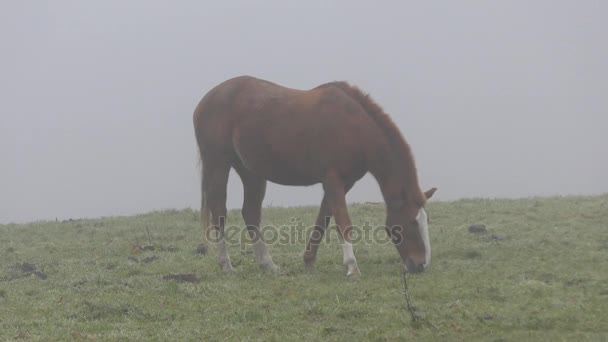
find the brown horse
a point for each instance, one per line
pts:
(333, 134)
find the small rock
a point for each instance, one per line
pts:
(40, 275)
(148, 260)
(497, 237)
(477, 228)
(25, 267)
(329, 330)
(201, 249)
(22, 335)
(133, 259)
(170, 249)
(147, 248)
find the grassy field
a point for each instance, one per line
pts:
(540, 272)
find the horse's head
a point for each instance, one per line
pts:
(407, 227)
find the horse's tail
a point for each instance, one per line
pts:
(204, 211)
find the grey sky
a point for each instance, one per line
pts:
(497, 99)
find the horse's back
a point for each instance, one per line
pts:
(289, 136)
(226, 105)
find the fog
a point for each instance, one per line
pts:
(497, 99)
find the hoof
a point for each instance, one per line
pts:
(309, 264)
(309, 268)
(352, 270)
(271, 267)
(226, 266)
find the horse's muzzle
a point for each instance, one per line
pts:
(413, 267)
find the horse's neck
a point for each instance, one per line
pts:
(397, 179)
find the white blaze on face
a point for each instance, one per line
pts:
(423, 226)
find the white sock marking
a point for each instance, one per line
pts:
(349, 255)
(349, 258)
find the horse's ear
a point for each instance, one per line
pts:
(429, 193)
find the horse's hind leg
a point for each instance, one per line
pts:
(254, 191)
(205, 213)
(216, 175)
(316, 236)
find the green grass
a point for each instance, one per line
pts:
(539, 273)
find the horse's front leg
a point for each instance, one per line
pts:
(335, 190)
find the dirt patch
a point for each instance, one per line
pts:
(23, 270)
(575, 282)
(24, 267)
(150, 248)
(182, 278)
(145, 260)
